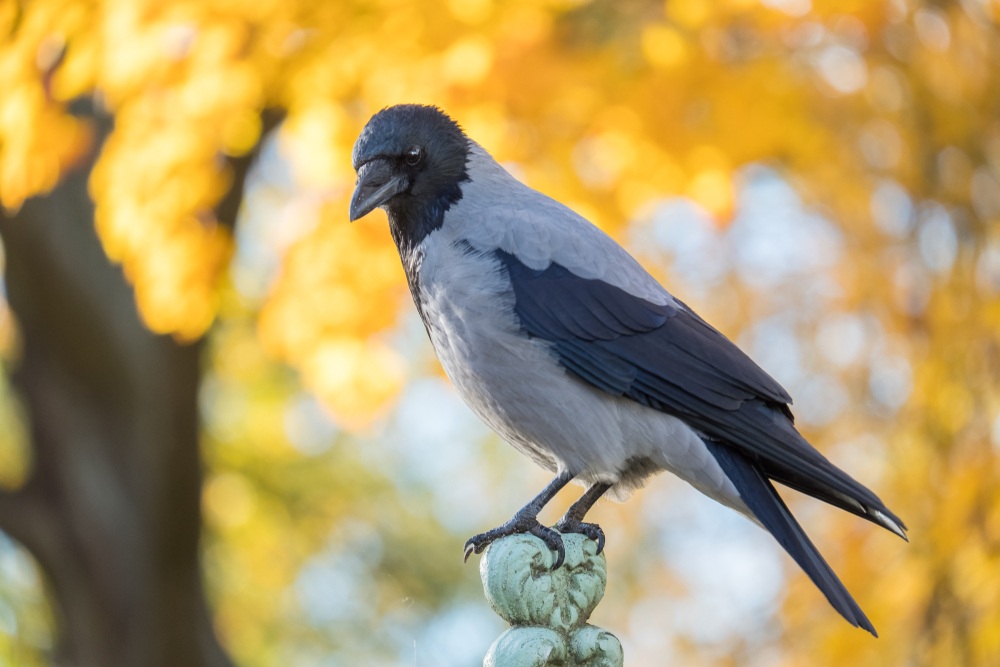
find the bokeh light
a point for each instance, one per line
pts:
(819, 180)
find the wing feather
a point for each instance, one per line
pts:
(669, 359)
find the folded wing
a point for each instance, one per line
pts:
(669, 359)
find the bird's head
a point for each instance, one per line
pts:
(410, 158)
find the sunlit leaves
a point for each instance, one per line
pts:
(342, 286)
(38, 141)
(882, 114)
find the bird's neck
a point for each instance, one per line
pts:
(412, 219)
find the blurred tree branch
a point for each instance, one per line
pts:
(15, 511)
(227, 209)
(111, 509)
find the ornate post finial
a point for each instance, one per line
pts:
(547, 609)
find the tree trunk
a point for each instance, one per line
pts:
(112, 506)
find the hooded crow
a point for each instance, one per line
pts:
(566, 347)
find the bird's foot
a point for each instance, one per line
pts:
(590, 530)
(519, 524)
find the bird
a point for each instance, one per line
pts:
(563, 344)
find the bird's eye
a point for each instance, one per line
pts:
(413, 155)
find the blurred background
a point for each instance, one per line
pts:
(225, 440)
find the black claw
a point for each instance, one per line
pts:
(590, 530)
(553, 541)
(478, 543)
(519, 524)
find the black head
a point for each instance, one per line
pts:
(410, 161)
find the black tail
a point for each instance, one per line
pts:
(765, 503)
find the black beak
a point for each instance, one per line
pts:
(377, 184)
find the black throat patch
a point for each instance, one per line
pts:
(411, 220)
(414, 215)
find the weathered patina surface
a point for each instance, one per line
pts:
(548, 610)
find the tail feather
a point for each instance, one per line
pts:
(870, 508)
(760, 496)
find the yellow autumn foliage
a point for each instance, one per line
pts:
(610, 107)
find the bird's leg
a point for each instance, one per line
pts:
(526, 521)
(572, 521)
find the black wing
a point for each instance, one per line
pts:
(668, 358)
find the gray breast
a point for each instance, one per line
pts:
(467, 301)
(515, 384)
(512, 382)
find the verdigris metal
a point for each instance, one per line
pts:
(547, 609)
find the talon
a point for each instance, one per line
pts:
(527, 524)
(553, 541)
(589, 530)
(560, 558)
